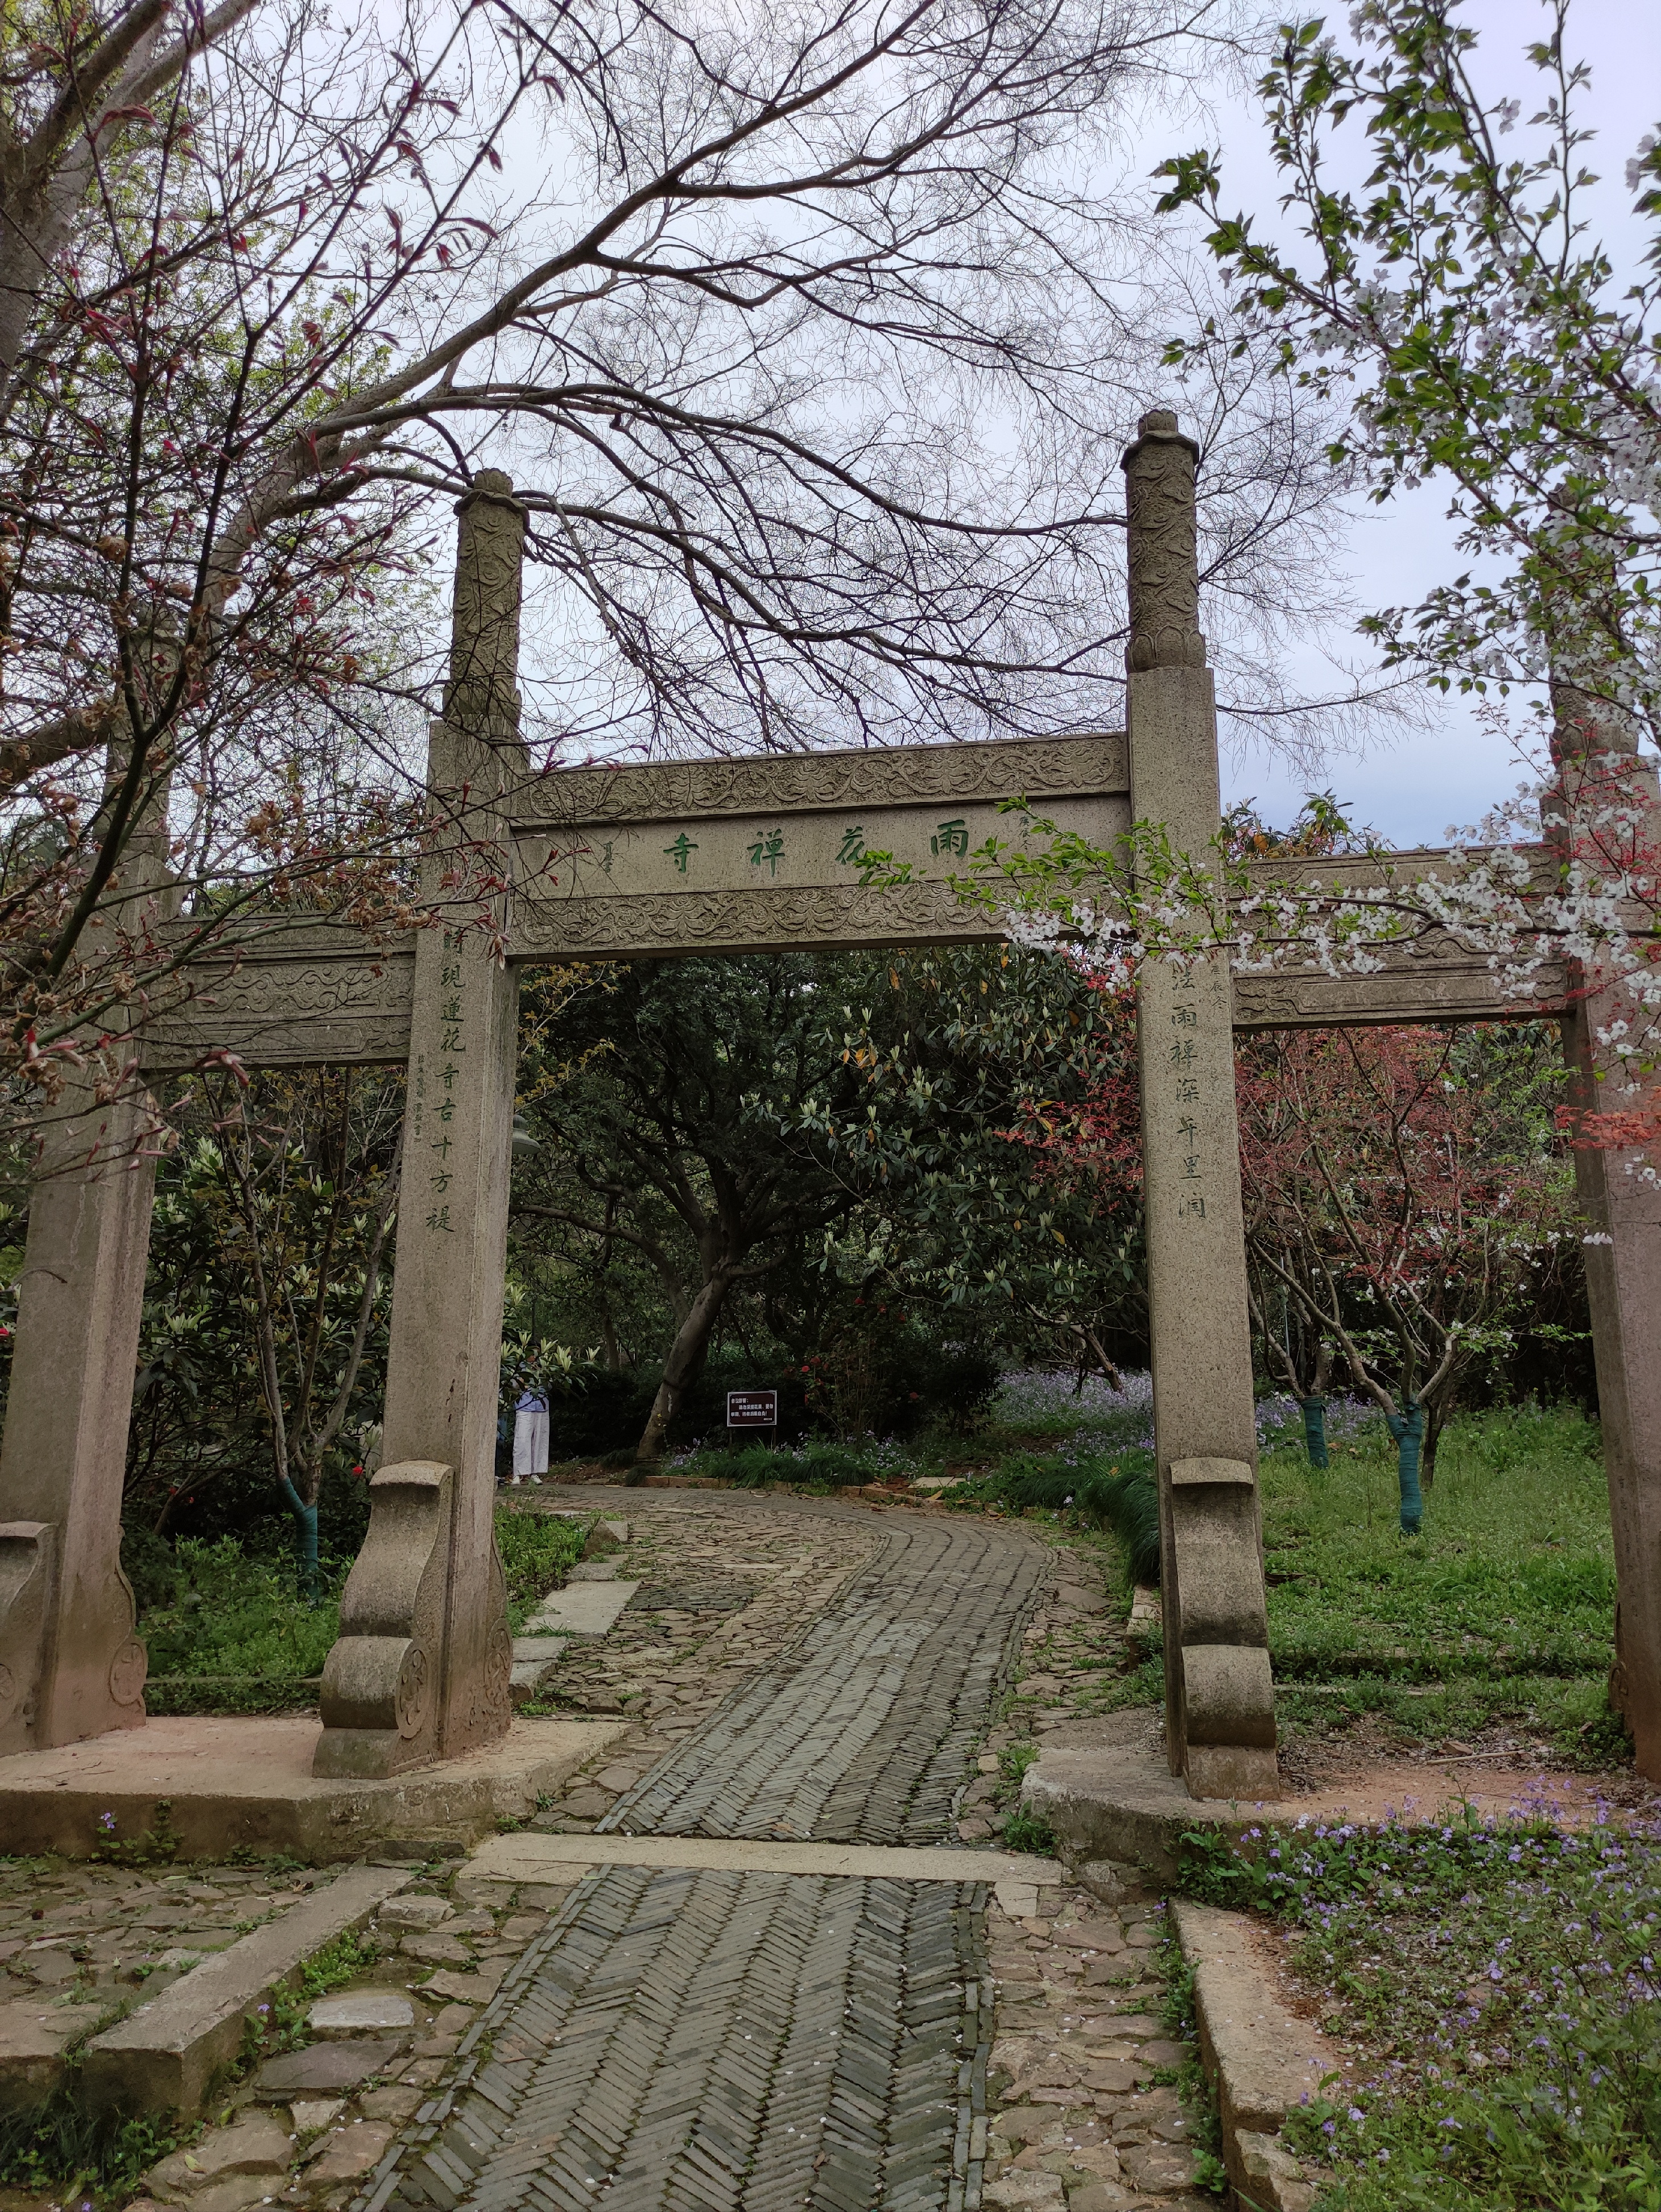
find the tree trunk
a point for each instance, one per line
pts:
(1437, 1420)
(1408, 1431)
(681, 1368)
(304, 1539)
(1315, 1430)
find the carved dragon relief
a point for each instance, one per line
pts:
(803, 782)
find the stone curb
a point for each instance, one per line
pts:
(1262, 2059)
(535, 1857)
(162, 2057)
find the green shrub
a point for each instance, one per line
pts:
(538, 1550)
(1121, 1494)
(815, 1461)
(222, 1611)
(227, 1630)
(1028, 1832)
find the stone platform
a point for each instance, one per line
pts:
(235, 1783)
(1110, 1798)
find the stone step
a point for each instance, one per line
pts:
(533, 1649)
(580, 1609)
(162, 2057)
(33, 2035)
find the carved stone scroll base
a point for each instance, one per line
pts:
(28, 1556)
(1220, 1628)
(380, 1699)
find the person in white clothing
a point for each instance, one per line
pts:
(530, 1437)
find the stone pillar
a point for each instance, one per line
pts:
(70, 1663)
(1220, 1712)
(1623, 1207)
(421, 1668)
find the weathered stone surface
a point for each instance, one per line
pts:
(349, 2153)
(1201, 1335)
(419, 1913)
(1119, 1804)
(1018, 2190)
(1157, 2166)
(438, 1950)
(324, 2068)
(395, 2103)
(380, 1699)
(537, 1650)
(236, 2192)
(433, 1677)
(669, 857)
(255, 2144)
(1271, 2176)
(33, 2038)
(1092, 1936)
(160, 2057)
(1099, 2196)
(1117, 2078)
(580, 1609)
(70, 1663)
(247, 1785)
(1262, 2059)
(361, 2012)
(309, 2114)
(475, 1987)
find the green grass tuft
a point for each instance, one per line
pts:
(1502, 1612)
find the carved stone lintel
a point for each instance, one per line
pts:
(380, 1700)
(745, 921)
(1163, 560)
(792, 783)
(28, 1556)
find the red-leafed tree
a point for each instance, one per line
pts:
(1403, 1189)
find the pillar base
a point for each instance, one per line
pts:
(1244, 1772)
(222, 1783)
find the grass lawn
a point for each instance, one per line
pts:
(1499, 1620)
(227, 1631)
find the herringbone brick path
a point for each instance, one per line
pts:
(724, 2042)
(861, 1732)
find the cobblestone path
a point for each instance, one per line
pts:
(747, 2041)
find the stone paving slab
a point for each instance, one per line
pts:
(580, 1609)
(531, 1857)
(33, 2033)
(160, 2057)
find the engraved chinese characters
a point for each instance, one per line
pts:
(771, 858)
(1218, 1700)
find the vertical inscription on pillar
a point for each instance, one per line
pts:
(1219, 1704)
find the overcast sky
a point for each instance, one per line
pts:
(1413, 789)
